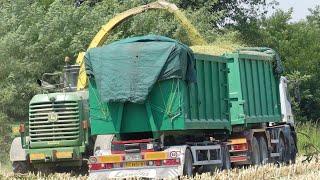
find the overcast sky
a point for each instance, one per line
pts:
(300, 7)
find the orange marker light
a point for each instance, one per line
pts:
(22, 128)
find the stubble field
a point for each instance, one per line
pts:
(300, 170)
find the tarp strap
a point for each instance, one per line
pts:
(100, 107)
(171, 98)
(178, 111)
(168, 106)
(153, 125)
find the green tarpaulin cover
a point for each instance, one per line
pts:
(126, 70)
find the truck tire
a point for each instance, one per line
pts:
(264, 153)
(282, 150)
(293, 149)
(187, 166)
(226, 163)
(255, 152)
(21, 167)
(208, 169)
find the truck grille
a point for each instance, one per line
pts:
(54, 121)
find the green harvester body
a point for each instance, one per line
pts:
(55, 126)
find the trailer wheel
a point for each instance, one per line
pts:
(226, 163)
(264, 154)
(255, 151)
(282, 150)
(293, 150)
(187, 166)
(21, 167)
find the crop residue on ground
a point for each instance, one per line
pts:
(300, 170)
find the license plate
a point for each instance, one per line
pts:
(64, 155)
(135, 164)
(37, 156)
(132, 157)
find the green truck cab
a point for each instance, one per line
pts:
(56, 133)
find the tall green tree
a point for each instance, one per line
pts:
(298, 45)
(35, 36)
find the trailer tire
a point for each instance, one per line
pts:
(264, 154)
(187, 166)
(282, 150)
(255, 152)
(21, 167)
(207, 169)
(293, 149)
(226, 162)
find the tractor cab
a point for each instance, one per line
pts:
(65, 81)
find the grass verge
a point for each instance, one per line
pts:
(308, 138)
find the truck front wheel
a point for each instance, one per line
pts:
(255, 152)
(293, 149)
(264, 153)
(282, 151)
(187, 166)
(21, 167)
(226, 163)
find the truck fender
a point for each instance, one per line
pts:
(181, 149)
(102, 145)
(17, 153)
